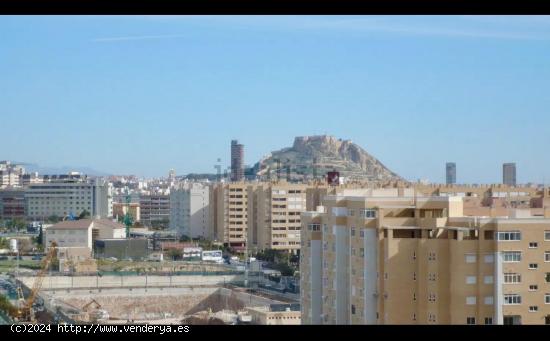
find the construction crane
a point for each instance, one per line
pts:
(26, 312)
(128, 221)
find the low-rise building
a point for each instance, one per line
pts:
(276, 314)
(82, 233)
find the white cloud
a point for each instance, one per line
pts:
(481, 27)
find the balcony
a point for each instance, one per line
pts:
(432, 222)
(407, 221)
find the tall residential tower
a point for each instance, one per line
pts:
(237, 161)
(450, 173)
(509, 174)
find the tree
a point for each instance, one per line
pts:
(174, 253)
(4, 244)
(54, 219)
(20, 224)
(84, 215)
(40, 236)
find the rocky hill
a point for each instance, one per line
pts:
(314, 156)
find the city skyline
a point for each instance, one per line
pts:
(142, 95)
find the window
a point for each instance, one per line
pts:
(488, 320)
(511, 256)
(488, 279)
(533, 309)
(547, 235)
(508, 236)
(547, 256)
(431, 317)
(431, 255)
(361, 252)
(533, 245)
(547, 298)
(414, 276)
(352, 309)
(353, 231)
(368, 213)
(489, 258)
(547, 277)
(489, 235)
(512, 278)
(471, 258)
(488, 300)
(470, 279)
(533, 266)
(362, 233)
(470, 320)
(533, 287)
(314, 227)
(510, 299)
(471, 300)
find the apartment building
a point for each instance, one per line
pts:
(63, 195)
(231, 212)
(12, 204)
(190, 210)
(276, 221)
(10, 174)
(155, 210)
(405, 259)
(495, 195)
(31, 178)
(259, 215)
(237, 161)
(509, 174)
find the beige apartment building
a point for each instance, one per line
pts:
(230, 213)
(380, 258)
(259, 215)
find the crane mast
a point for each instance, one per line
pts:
(26, 312)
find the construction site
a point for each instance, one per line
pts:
(182, 299)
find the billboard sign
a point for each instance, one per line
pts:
(333, 178)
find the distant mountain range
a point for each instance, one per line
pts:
(33, 167)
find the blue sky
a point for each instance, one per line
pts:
(142, 94)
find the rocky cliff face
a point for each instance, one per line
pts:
(313, 156)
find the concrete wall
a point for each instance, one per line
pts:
(75, 282)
